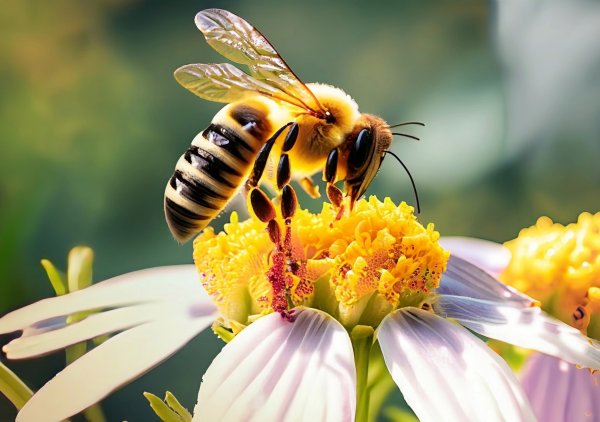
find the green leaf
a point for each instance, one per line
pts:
(75, 351)
(94, 413)
(162, 410)
(79, 268)
(56, 277)
(177, 407)
(13, 388)
(395, 414)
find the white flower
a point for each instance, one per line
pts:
(303, 369)
(305, 366)
(155, 312)
(558, 264)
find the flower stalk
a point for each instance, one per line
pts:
(362, 343)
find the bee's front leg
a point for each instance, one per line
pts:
(335, 195)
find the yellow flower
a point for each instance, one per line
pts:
(559, 265)
(358, 269)
(319, 326)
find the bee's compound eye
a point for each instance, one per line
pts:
(359, 154)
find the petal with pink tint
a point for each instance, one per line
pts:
(156, 312)
(447, 374)
(107, 367)
(178, 282)
(489, 256)
(530, 328)
(559, 391)
(462, 278)
(277, 370)
(149, 295)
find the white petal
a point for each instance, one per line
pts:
(559, 391)
(38, 342)
(179, 282)
(276, 370)
(530, 328)
(108, 366)
(462, 278)
(491, 257)
(447, 374)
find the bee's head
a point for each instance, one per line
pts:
(364, 150)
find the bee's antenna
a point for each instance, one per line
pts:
(411, 179)
(407, 136)
(407, 123)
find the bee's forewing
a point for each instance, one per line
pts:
(240, 42)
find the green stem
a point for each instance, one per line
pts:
(13, 388)
(381, 383)
(362, 341)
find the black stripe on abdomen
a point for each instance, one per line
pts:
(231, 142)
(209, 164)
(196, 191)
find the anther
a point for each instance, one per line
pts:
(283, 171)
(290, 138)
(579, 313)
(289, 202)
(581, 318)
(261, 205)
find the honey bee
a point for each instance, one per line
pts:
(273, 128)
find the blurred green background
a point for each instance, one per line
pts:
(92, 123)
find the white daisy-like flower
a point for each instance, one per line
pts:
(560, 266)
(347, 292)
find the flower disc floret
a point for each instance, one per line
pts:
(557, 264)
(375, 259)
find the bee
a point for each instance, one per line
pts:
(273, 128)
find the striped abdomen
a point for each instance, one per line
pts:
(211, 171)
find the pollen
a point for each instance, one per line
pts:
(375, 259)
(558, 265)
(233, 267)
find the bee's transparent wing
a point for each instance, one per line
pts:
(240, 42)
(225, 83)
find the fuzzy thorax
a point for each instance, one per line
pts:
(374, 260)
(320, 137)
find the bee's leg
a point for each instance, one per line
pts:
(289, 205)
(260, 204)
(334, 194)
(310, 188)
(279, 272)
(263, 156)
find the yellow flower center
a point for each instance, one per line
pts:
(560, 266)
(374, 259)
